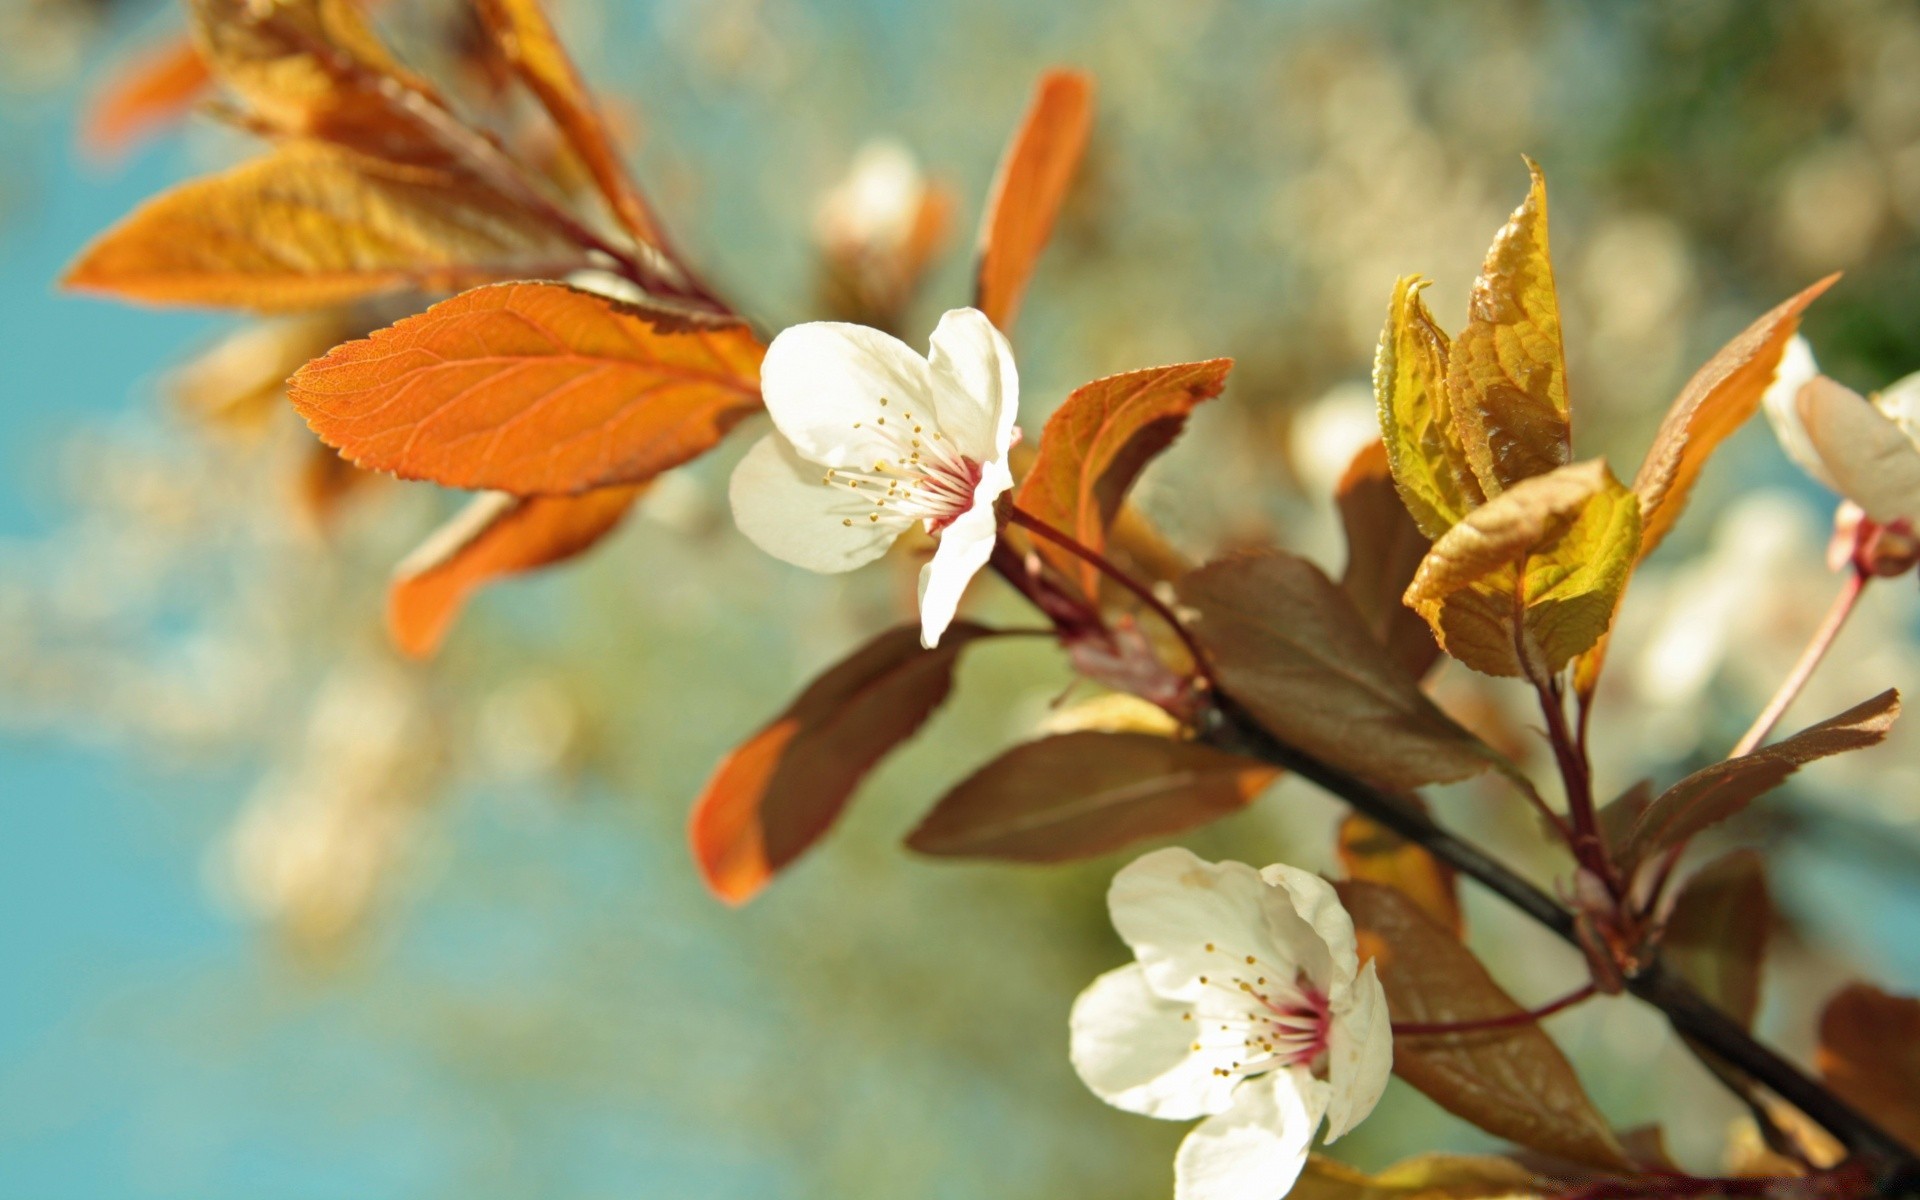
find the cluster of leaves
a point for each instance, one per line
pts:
(1472, 531)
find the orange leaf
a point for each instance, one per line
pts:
(526, 37)
(1096, 444)
(312, 226)
(1081, 794)
(532, 388)
(496, 535)
(1870, 1053)
(1029, 189)
(148, 92)
(1719, 398)
(1512, 1082)
(782, 788)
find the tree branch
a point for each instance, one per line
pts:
(1894, 1167)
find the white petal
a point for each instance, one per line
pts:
(1359, 1054)
(1256, 1149)
(1872, 461)
(1310, 924)
(976, 390)
(780, 502)
(823, 383)
(1901, 402)
(965, 546)
(1795, 370)
(1133, 1050)
(1171, 905)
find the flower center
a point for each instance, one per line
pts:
(917, 475)
(1254, 1022)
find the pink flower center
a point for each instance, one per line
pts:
(1253, 1022)
(917, 475)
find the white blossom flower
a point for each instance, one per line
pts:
(869, 438)
(1866, 450)
(1247, 1006)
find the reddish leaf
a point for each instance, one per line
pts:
(1384, 551)
(1288, 645)
(1712, 794)
(1375, 854)
(1097, 443)
(782, 788)
(1716, 935)
(148, 92)
(1029, 190)
(1512, 1082)
(312, 226)
(1082, 794)
(532, 388)
(496, 535)
(1870, 1054)
(527, 39)
(1719, 398)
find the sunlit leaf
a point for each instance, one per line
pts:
(314, 68)
(240, 381)
(1718, 399)
(1716, 935)
(1096, 444)
(1384, 550)
(1030, 188)
(1422, 440)
(1870, 1054)
(1712, 794)
(311, 226)
(1427, 1177)
(780, 790)
(1371, 852)
(145, 94)
(532, 388)
(1082, 794)
(1506, 372)
(527, 39)
(495, 536)
(1512, 1082)
(1288, 645)
(1535, 571)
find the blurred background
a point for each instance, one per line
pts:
(284, 915)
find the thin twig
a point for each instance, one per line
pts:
(1790, 688)
(1511, 1020)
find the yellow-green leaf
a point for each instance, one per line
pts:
(1506, 372)
(1529, 579)
(1427, 1177)
(1429, 462)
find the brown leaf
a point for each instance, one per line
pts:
(1712, 794)
(1373, 853)
(311, 226)
(146, 93)
(1716, 936)
(1082, 794)
(780, 790)
(1096, 444)
(1506, 373)
(1427, 1177)
(314, 68)
(495, 536)
(1384, 550)
(532, 388)
(1512, 1082)
(527, 38)
(1029, 189)
(1288, 645)
(1719, 398)
(1870, 1054)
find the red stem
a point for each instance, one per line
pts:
(1790, 688)
(1507, 1021)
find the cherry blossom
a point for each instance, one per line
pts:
(870, 438)
(1246, 1006)
(1866, 450)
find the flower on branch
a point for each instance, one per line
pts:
(870, 438)
(1866, 450)
(1246, 1005)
